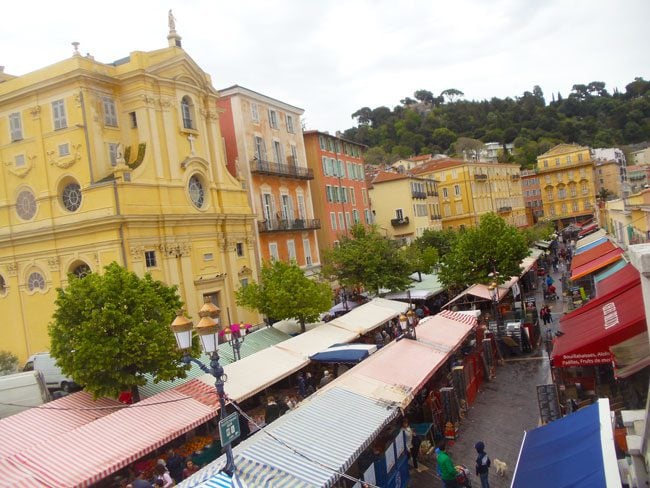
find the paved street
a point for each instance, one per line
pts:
(503, 410)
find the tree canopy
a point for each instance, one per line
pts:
(8, 363)
(426, 123)
(284, 292)
(110, 330)
(369, 260)
(492, 246)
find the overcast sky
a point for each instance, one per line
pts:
(332, 57)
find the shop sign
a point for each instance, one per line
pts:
(229, 428)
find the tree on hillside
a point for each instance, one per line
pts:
(284, 292)
(111, 329)
(451, 94)
(471, 148)
(492, 246)
(367, 259)
(426, 97)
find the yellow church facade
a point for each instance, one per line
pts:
(116, 162)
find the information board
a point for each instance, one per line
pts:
(548, 402)
(229, 428)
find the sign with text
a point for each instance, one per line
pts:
(229, 428)
(549, 403)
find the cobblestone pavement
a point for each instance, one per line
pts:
(503, 410)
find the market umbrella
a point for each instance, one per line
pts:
(344, 353)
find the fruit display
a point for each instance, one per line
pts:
(196, 444)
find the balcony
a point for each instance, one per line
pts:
(436, 217)
(504, 209)
(287, 170)
(480, 177)
(284, 225)
(432, 193)
(418, 194)
(399, 222)
(515, 177)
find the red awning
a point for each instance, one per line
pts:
(591, 254)
(35, 426)
(589, 333)
(596, 264)
(92, 452)
(625, 276)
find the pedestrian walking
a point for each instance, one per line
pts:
(302, 386)
(482, 464)
(175, 465)
(447, 468)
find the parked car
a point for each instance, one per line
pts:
(21, 391)
(54, 377)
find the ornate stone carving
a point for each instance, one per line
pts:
(177, 249)
(245, 271)
(164, 103)
(35, 111)
(148, 100)
(11, 268)
(22, 171)
(137, 253)
(53, 263)
(65, 161)
(77, 99)
(209, 114)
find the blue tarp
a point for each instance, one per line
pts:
(565, 453)
(344, 353)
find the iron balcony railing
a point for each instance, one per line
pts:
(504, 209)
(480, 177)
(283, 225)
(419, 194)
(288, 170)
(432, 193)
(398, 222)
(435, 217)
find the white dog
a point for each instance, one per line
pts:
(500, 466)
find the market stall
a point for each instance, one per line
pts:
(369, 316)
(577, 450)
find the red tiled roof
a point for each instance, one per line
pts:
(436, 165)
(386, 176)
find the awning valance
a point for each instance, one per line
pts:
(482, 291)
(91, 452)
(596, 264)
(38, 425)
(590, 331)
(591, 254)
(576, 450)
(632, 355)
(344, 353)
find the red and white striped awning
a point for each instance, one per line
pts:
(38, 425)
(92, 452)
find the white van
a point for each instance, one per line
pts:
(46, 364)
(22, 391)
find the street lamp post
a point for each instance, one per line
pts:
(235, 337)
(407, 324)
(208, 332)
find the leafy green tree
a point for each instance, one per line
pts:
(470, 147)
(443, 137)
(420, 260)
(367, 259)
(441, 240)
(451, 94)
(492, 246)
(425, 96)
(539, 232)
(284, 292)
(8, 363)
(111, 329)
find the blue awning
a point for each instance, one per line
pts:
(222, 480)
(591, 245)
(344, 353)
(576, 451)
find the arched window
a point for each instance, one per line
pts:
(187, 111)
(71, 196)
(35, 281)
(3, 286)
(195, 189)
(81, 270)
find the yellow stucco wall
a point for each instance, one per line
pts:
(124, 213)
(566, 177)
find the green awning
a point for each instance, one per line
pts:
(254, 342)
(610, 270)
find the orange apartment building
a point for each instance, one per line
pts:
(341, 195)
(265, 150)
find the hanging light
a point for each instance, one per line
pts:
(403, 322)
(410, 316)
(227, 333)
(210, 308)
(242, 329)
(182, 329)
(208, 331)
